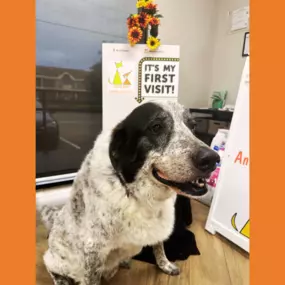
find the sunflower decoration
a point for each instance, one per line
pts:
(143, 3)
(146, 21)
(134, 35)
(153, 43)
(151, 8)
(132, 21)
(143, 20)
(154, 21)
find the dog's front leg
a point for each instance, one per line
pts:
(93, 268)
(162, 262)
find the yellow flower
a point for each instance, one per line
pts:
(141, 3)
(153, 43)
(134, 35)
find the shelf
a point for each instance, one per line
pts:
(204, 134)
(218, 115)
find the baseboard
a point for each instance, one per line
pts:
(54, 197)
(232, 235)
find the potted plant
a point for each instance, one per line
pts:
(219, 99)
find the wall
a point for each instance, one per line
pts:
(191, 24)
(210, 56)
(227, 60)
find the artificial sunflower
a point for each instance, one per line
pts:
(143, 19)
(154, 21)
(134, 35)
(153, 43)
(141, 3)
(132, 21)
(150, 8)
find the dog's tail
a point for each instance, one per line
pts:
(48, 214)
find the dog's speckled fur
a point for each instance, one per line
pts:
(101, 226)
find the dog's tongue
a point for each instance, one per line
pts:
(162, 175)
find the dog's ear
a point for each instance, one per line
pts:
(123, 152)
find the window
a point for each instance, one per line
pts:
(38, 82)
(69, 81)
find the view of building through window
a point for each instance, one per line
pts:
(69, 39)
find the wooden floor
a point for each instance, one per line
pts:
(220, 262)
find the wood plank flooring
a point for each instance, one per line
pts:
(220, 262)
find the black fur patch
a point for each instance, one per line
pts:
(148, 127)
(77, 203)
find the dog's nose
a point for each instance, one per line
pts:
(206, 159)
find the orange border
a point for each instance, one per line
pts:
(267, 50)
(17, 210)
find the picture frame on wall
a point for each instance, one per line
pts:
(245, 48)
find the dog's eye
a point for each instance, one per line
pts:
(156, 128)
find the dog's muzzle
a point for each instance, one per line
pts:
(190, 189)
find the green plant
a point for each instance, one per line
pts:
(219, 99)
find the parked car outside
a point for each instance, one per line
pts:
(47, 129)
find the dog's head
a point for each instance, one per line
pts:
(156, 141)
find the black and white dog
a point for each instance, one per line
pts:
(123, 196)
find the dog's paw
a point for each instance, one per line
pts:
(126, 264)
(170, 269)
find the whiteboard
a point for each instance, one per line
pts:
(229, 212)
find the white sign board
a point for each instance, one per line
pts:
(229, 213)
(134, 75)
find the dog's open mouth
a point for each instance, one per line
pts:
(192, 188)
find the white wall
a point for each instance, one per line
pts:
(227, 60)
(191, 24)
(210, 56)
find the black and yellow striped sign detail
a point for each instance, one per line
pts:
(139, 99)
(245, 229)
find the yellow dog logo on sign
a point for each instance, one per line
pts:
(245, 229)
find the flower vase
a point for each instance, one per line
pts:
(145, 31)
(144, 36)
(154, 31)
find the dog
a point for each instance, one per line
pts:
(123, 196)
